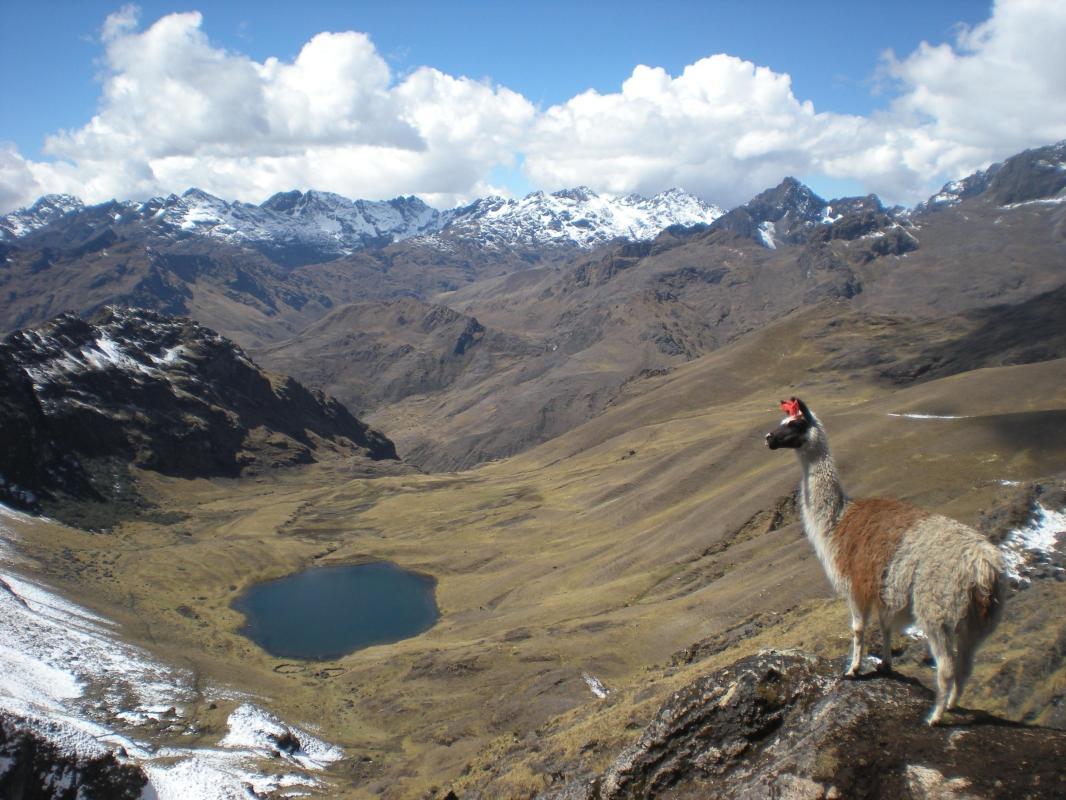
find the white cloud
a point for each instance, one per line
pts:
(727, 129)
(17, 183)
(1001, 88)
(724, 128)
(176, 111)
(121, 22)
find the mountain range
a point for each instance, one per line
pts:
(294, 228)
(472, 334)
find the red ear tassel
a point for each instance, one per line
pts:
(791, 407)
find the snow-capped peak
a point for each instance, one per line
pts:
(576, 216)
(47, 209)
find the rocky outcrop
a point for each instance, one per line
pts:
(784, 214)
(160, 392)
(33, 768)
(1036, 174)
(1032, 175)
(785, 725)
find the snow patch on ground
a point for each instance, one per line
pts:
(929, 416)
(595, 685)
(65, 670)
(1043, 535)
(253, 728)
(766, 234)
(1044, 201)
(913, 632)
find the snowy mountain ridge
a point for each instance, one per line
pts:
(47, 209)
(575, 216)
(160, 391)
(333, 226)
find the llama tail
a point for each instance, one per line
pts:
(987, 593)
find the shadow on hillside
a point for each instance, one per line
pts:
(1002, 335)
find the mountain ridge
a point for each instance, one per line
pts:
(327, 224)
(82, 398)
(297, 227)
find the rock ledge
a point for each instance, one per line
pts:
(785, 725)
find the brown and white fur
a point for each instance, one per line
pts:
(887, 557)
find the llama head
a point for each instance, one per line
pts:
(796, 430)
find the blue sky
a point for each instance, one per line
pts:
(825, 78)
(548, 51)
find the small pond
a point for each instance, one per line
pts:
(328, 612)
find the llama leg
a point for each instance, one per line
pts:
(964, 652)
(942, 647)
(953, 696)
(858, 628)
(886, 642)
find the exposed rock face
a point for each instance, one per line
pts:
(783, 214)
(1036, 174)
(161, 392)
(32, 461)
(1032, 175)
(32, 768)
(786, 725)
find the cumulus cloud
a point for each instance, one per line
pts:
(17, 183)
(176, 111)
(726, 128)
(1001, 88)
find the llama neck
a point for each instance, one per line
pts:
(821, 495)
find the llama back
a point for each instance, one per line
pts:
(948, 575)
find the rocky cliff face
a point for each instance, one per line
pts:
(1033, 175)
(162, 393)
(785, 725)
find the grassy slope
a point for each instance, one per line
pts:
(661, 523)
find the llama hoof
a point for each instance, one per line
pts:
(851, 674)
(934, 718)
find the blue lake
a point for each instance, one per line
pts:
(328, 612)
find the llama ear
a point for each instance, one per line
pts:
(793, 407)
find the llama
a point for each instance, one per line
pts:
(908, 565)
